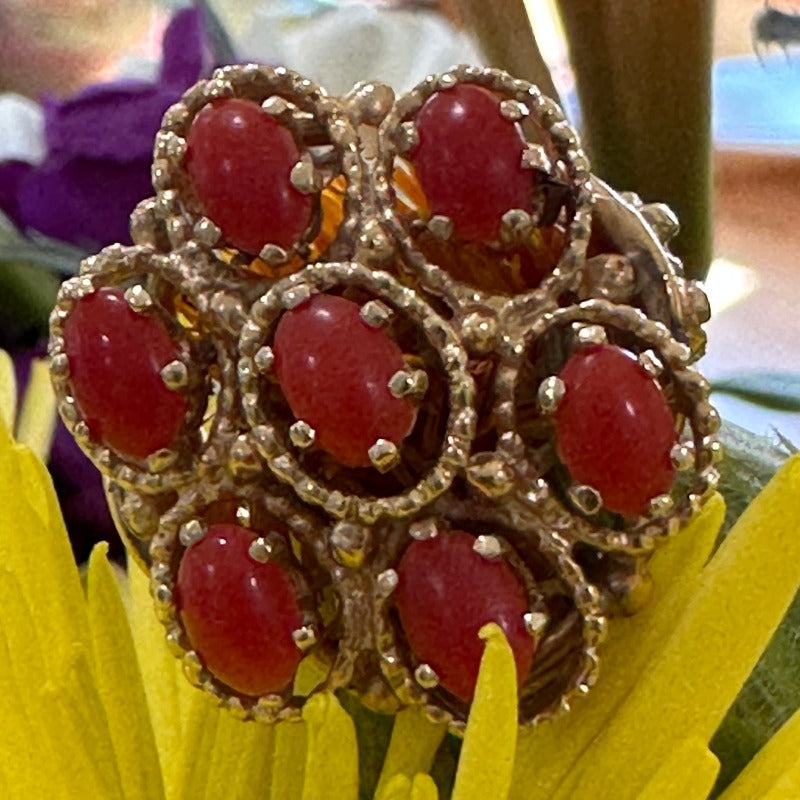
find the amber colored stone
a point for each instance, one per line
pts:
(239, 161)
(239, 613)
(615, 429)
(469, 161)
(115, 359)
(334, 370)
(446, 592)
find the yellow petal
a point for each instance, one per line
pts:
(288, 763)
(194, 759)
(786, 788)
(241, 762)
(311, 672)
(6, 787)
(776, 767)
(26, 657)
(740, 598)
(23, 712)
(332, 757)
(413, 745)
(29, 741)
(423, 788)
(8, 391)
(546, 754)
(37, 416)
(687, 773)
(398, 787)
(487, 755)
(35, 548)
(119, 684)
(77, 725)
(159, 669)
(401, 787)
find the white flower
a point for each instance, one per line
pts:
(342, 46)
(21, 129)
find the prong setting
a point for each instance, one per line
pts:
(387, 582)
(305, 638)
(277, 107)
(651, 363)
(304, 176)
(301, 434)
(426, 676)
(138, 298)
(534, 156)
(409, 383)
(264, 359)
(274, 255)
(513, 110)
(683, 456)
(585, 498)
(589, 335)
(376, 314)
(488, 547)
(441, 227)
(551, 393)
(349, 542)
(261, 550)
(516, 226)
(384, 455)
(206, 232)
(661, 506)
(243, 517)
(536, 623)
(191, 532)
(175, 375)
(423, 529)
(407, 137)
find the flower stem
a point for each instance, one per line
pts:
(643, 70)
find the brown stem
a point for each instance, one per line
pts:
(504, 33)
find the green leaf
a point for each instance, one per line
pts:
(31, 268)
(373, 732)
(750, 461)
(41, 252)
(776, 390)
(768, 698)
(445, 765)
(771, 693)
(27, 296)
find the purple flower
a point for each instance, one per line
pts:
(100, 147)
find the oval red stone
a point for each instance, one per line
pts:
(239, 613)
(334, 370)
(239, 160)
(115, 359)
(469, 161)
(445, 594)
(615, 430)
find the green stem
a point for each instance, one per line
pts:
(27, 296)
(643, 70)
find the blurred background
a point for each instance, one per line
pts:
(51, 50)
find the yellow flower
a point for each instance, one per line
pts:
(92, 705)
